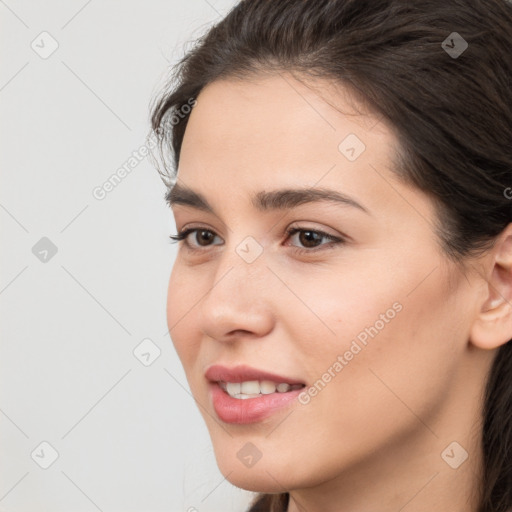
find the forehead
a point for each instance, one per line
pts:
(269, 111)
(248, 134)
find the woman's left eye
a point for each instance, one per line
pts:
(312, 236)
(309, 238)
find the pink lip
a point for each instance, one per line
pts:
(243, 373)
(250, 410)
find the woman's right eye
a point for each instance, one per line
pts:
(202, 234)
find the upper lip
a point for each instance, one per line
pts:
(242, 373)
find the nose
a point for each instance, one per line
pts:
(238, 302)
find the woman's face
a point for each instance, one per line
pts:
(374, 323)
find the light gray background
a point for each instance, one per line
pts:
(129, 437)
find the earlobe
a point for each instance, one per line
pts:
(492, 327)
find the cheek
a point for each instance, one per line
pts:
(181, 297)
(345, 312)
(392, 350)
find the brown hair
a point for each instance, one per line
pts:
(452, 113)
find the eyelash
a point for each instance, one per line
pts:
(182, 235)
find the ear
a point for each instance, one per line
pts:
(492, 326)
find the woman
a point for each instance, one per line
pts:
(341, 298)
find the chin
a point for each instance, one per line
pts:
(260, 481)
(272, 475)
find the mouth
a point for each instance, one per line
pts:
(243, 373)
(255, 388)
(245, 395)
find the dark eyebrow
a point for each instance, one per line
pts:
(263, 201)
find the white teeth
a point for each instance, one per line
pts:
(241, 396)
(250, 387)
(233, 388)
(254, 388)
(267, 387)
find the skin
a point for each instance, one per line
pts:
(372, 438)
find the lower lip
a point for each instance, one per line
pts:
(249, 410)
